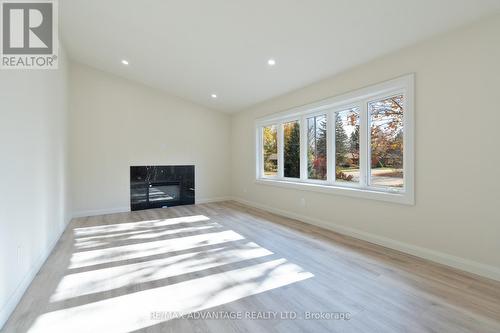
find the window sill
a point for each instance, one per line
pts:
(395, 197)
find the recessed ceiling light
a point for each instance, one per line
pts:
(271, 62)
(214, 96)
(125, 62)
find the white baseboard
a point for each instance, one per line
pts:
(463, 264)
(18, 293)
(95, 212)
(216, 199)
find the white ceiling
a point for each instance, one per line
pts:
(193, 48)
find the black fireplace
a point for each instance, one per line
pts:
(161, 186)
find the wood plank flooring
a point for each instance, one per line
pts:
(225, 267)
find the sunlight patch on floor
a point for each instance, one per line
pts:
(95, 241)
(126, 252)
(102, 280)
(133, 311)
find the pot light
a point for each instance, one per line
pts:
(214, 96)
(125, 62)
(271, 62)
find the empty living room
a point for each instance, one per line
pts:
(249, 166)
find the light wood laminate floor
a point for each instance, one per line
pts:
(212, 267)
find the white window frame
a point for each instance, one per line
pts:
(330, 106)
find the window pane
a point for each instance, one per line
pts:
(316, 147)
(270, 147)
(386, 132)
(347, 146)
(291, 149)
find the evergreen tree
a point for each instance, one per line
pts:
(341, 142)
(292, 150)
(321, 142)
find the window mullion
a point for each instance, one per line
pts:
(363, 145)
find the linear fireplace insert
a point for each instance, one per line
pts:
(161, 186)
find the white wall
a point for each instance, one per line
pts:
(456, 218)
(34, 208)
(116, 123)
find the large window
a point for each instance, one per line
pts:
(358, 144)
